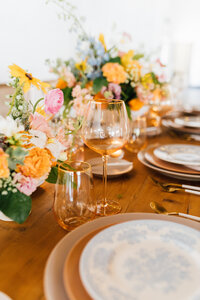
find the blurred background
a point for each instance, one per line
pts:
(31, 32)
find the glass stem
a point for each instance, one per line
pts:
(105, 160)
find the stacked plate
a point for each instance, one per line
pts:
(180, 161)
(182, 122)
(126, 256)
(115, 166)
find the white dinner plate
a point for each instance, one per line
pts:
(53, 274)
(183, 154)
(115, 166)
(170, 124)
(188, 121)
(173, 174)
(145, 259)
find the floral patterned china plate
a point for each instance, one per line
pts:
(142, 259)
(179, 154)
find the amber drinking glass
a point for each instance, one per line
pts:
(137, 136)
(105, 130)
(74, 202)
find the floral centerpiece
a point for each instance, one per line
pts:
(29, 148)
(106, 72)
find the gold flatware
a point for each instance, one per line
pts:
(159, 209)
(173, 187)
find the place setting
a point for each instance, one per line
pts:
(89, 262)
(181, 161)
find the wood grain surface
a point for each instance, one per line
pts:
(24, 249)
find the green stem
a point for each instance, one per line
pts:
(70, 15)
(34, 107)
(13, 99)
(124, 94)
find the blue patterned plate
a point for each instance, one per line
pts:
(143, 259)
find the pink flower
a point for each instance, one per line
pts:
(25, 185)
(113, 91)
(121, 53)
(68, 76)
(76, 92)
(81, 99)
(53, 101)
(38, 122)
(65, 140)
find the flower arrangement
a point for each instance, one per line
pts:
(102, 72)
(29, 147)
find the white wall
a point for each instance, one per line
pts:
(30, 31)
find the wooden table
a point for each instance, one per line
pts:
(24, 249)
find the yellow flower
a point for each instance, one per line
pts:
(4, 171)
(114, 72)
(126, 58)
(102, 40)
(147, 81)
(131, 65)
(135, 104)
(81, 66)
(36, 164)
(26, 79)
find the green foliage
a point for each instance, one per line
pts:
(116, 59)
(53, 175)
(67, 92)
(98, 83)
(155, 79)
(128, 111)
(138, 56)
(16, 206)
(16, 156)
(128, 92)
(67, 166)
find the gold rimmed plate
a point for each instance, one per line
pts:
(53, 276)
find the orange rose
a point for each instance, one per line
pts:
(99, 96)
(89, 84)
(36, 164)
(114, 72)
(4, 171)
(135, 104)
(61, 84)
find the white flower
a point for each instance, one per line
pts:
(9, 127)
(63, 156)
(56, 148)
(39, 138)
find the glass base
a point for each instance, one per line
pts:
(72, 223)
(111, 208)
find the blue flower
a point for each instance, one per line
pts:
(94, 74)
(92, 61)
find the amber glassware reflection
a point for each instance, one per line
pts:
(74, 202)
